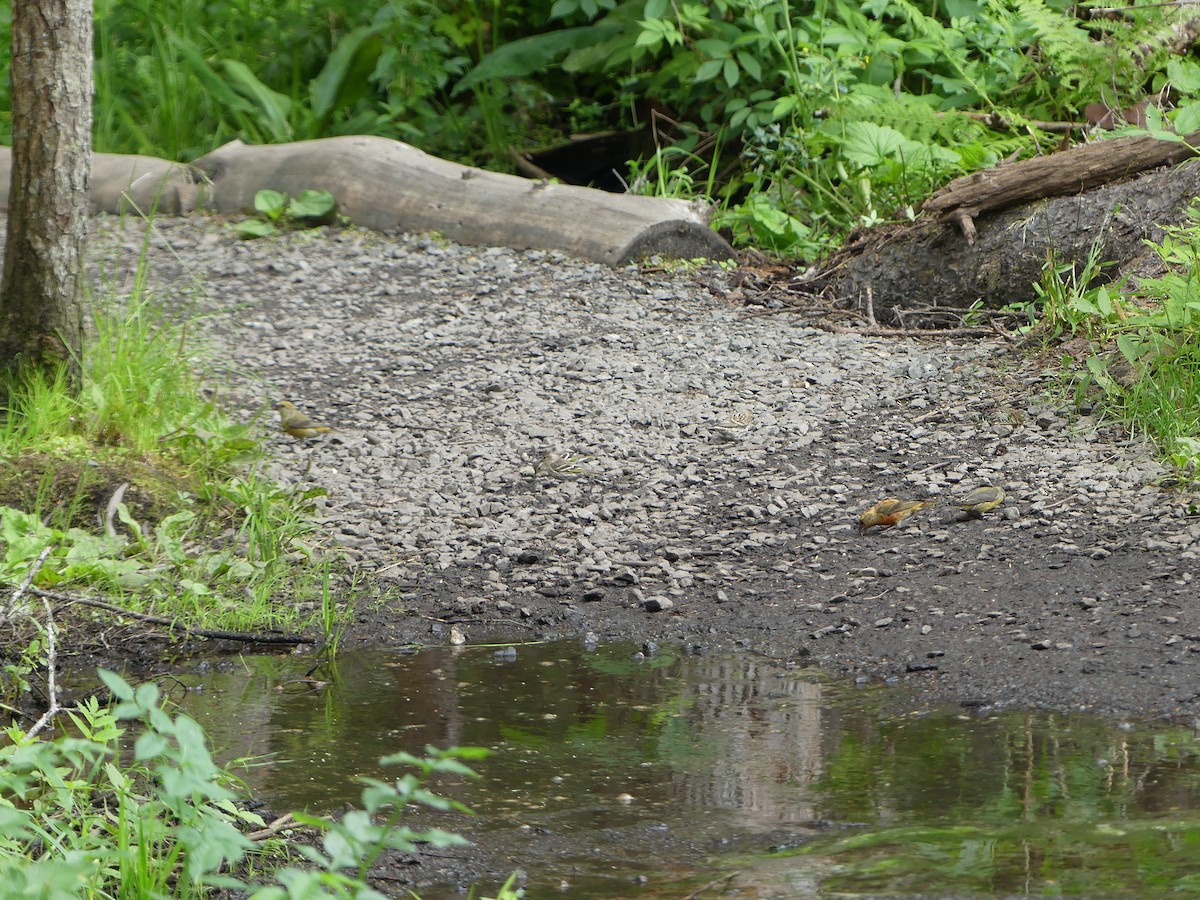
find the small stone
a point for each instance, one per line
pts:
(592, 596)
(624, 575)
(884, 622)
(657, 603)
(921, 667)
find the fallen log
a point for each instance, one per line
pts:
(1069, 172)
(390, 186)
(985, 238)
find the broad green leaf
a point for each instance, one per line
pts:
(709, 70)
(731, 72)
(255, 228)
(1187, 118)
(527, 55)
(750, 64)
(270, 203)
(316, 205)
(274, 106)
(1184, 75)
(346, 76)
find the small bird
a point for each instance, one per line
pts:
(734, 426)
(983, 499)
(297, 424)
(562, 468)
(889, 512)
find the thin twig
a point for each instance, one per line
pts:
(111, 512)
(283, 823)
(51, 641)
(882, 331)
(30, 575)
(51, 669)
(245, 636)
(712, 884)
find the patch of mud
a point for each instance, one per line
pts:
(727, 456)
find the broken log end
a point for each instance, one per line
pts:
(964, 218)
(676, 239)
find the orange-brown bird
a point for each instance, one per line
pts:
(983, 499)
(297, 424)
(890, 512)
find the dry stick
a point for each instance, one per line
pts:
(1097, 11)
(111, 512)
(283, 823)
(51, 642)
(712, 884)
(245, 636)
(51, 667)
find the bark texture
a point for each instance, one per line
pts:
(41, 294)
(387, 185)
(390, 186)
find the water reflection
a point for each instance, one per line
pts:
(607, 768)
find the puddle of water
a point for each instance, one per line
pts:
(645, 779)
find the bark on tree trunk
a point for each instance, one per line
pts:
(41, 294)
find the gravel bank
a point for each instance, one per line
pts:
(730, 454)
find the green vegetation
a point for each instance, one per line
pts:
(146, 489)
(802, 120)
(84, 816)
(276, 210)
(1142, 357)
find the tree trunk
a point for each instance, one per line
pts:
(41, 294)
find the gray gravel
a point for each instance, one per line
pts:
(728, 455)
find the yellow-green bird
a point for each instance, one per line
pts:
(562, 468)
(297, 424)
(983, 499)
(890, 512)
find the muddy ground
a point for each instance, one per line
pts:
(730, 448)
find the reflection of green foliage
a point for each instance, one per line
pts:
(1132, 858)
(627, 665)
(1040, 800)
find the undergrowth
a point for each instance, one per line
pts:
(144, 487)
(129, 803)
(1143, 358)
(800, 120)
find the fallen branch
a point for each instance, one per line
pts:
(216, 634)
(51, 643)
(286, 822)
